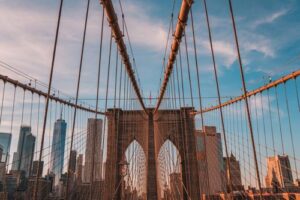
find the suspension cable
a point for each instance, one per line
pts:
(182, 19)
(279, 119)
(20, 154)
(35, 196)
(229, 179)
(283, 79)
(116, 32)
(188, 67)
(271, 121)
(77, 94)
(297, 93)
(97, 102)
(290, 127)
(2, 101)
(181, 75)
(264, 124)
(245, 99)
(106, 93)
(197, 67)
(38, 124)
(258, 131)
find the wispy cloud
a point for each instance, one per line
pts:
(144, 30)
(270, 18)
(225, 51)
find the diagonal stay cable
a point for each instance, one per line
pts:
(115, 28)
(47, 99)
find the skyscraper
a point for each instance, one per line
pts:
(73, 161)
(235, 170)
(79, 168)
(279, 169)
(58, 149)
(94, 137)
(5, 140)
(35, 166)
(1, 152)
(210, 156)
(2, 167)
(23, 157)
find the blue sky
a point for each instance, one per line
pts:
(268, 32)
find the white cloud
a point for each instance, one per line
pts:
(144, 30)
(271, 18)
(225, 50)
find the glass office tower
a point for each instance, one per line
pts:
(58, 149)
(22, 160)
(5, 141)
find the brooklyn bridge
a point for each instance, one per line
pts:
(77, 123)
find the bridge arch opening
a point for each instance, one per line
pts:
(135, 177)
(170, 171)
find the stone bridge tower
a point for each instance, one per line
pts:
(150, 132)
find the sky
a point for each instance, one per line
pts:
(268, 34)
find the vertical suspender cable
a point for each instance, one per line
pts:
(181, 74)
(233, 128)
(248, 147)
(246, 100)
(11, 127)
(23, 106)
(120, 84)
(279, 119)
(257, 130)
(30, 119)
(97, 102)
(271, 122)
(106, 93)
(116, 77)
(37, 124)
(243, 144)
(20, 154)
(77, 94)
(290, 128)
(114, 100)
(197, 67)
(3, 93)
(188, 66)
(174, 91)
(47, 101)
(264, 124)
(12, 121)
(49, 138)
(198, 82)
(178, 87)
(219, 99)
(297, 93)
